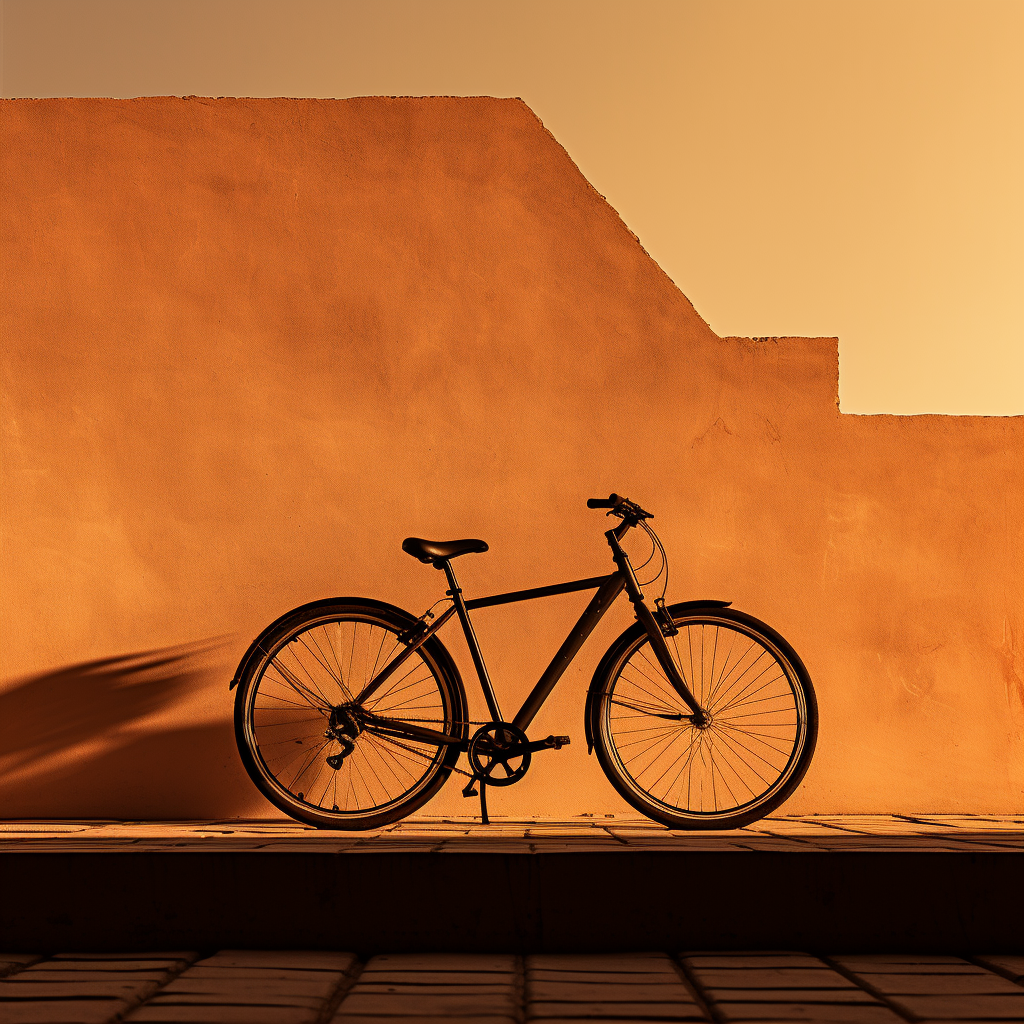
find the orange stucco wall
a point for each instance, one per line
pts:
(250, 345)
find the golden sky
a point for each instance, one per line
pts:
(807, 167)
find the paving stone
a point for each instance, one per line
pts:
(442, 962)
(603, 990)
(615, 1011)
(880, 967)
(648, 963)
(769, 977)
(13, 988)
(835, 1013)
(601, 977)
(1012, 964)
(401, 1004)
(162, 955)
(733, 953)
(429, 988)
(9, 967)
(419, 1019)
(44, 972)
(235, 999)
(223, 1015)
(733, 962)
(64, 1011)
(320, 986)
(97, 966)
(298, 959)
(940, 984)
(849, 959)
(980, 1007)
(387, 976)
(791, 995)
(261, 973)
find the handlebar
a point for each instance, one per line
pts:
(625, 509)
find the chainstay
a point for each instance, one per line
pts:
(419, 753)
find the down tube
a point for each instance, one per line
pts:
(599, 604)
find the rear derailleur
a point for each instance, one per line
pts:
(344, 727)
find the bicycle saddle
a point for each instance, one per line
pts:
(431, 550)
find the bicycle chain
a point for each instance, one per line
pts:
(418, 753)
(412, 750)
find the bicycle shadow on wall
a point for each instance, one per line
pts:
(92, 740)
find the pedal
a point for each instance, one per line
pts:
(550, 743)
(470, 789)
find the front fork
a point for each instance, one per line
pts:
(654, 633)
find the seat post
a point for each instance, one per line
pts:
(455, 593)
(453, 583)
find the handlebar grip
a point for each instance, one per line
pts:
(610, 502)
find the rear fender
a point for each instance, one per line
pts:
(311, 607)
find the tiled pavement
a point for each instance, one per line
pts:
(264, 987)
(808, 833)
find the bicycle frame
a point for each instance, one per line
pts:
(608, 589)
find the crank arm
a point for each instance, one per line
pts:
(549, 743)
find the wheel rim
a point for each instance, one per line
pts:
(320, 666)
(757, 721)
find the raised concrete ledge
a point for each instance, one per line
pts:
(877, 833)
(880, 892)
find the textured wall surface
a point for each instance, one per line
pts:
(250, 345)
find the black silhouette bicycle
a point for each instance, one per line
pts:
(350, 713)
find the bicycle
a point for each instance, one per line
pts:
(350, 713)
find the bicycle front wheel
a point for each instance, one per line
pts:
(317, 659)
(755, 746)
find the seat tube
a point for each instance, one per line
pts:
(455, 593)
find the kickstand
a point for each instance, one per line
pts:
(470, 791)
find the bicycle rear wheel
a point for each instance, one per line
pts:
(317, 659)
(749, 756)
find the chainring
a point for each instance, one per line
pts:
(499, 754)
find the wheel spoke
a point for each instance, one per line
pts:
(735, 761)
(307, 672)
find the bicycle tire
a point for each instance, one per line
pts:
(650, 751)
(316, 657)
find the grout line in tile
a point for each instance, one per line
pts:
(337, 997)
(866, 986)
(618, 839)
(710, 1011)
(16, 967)
(995, 969)
(519, 988)
(134, 1002)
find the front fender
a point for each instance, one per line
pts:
(612, 654)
